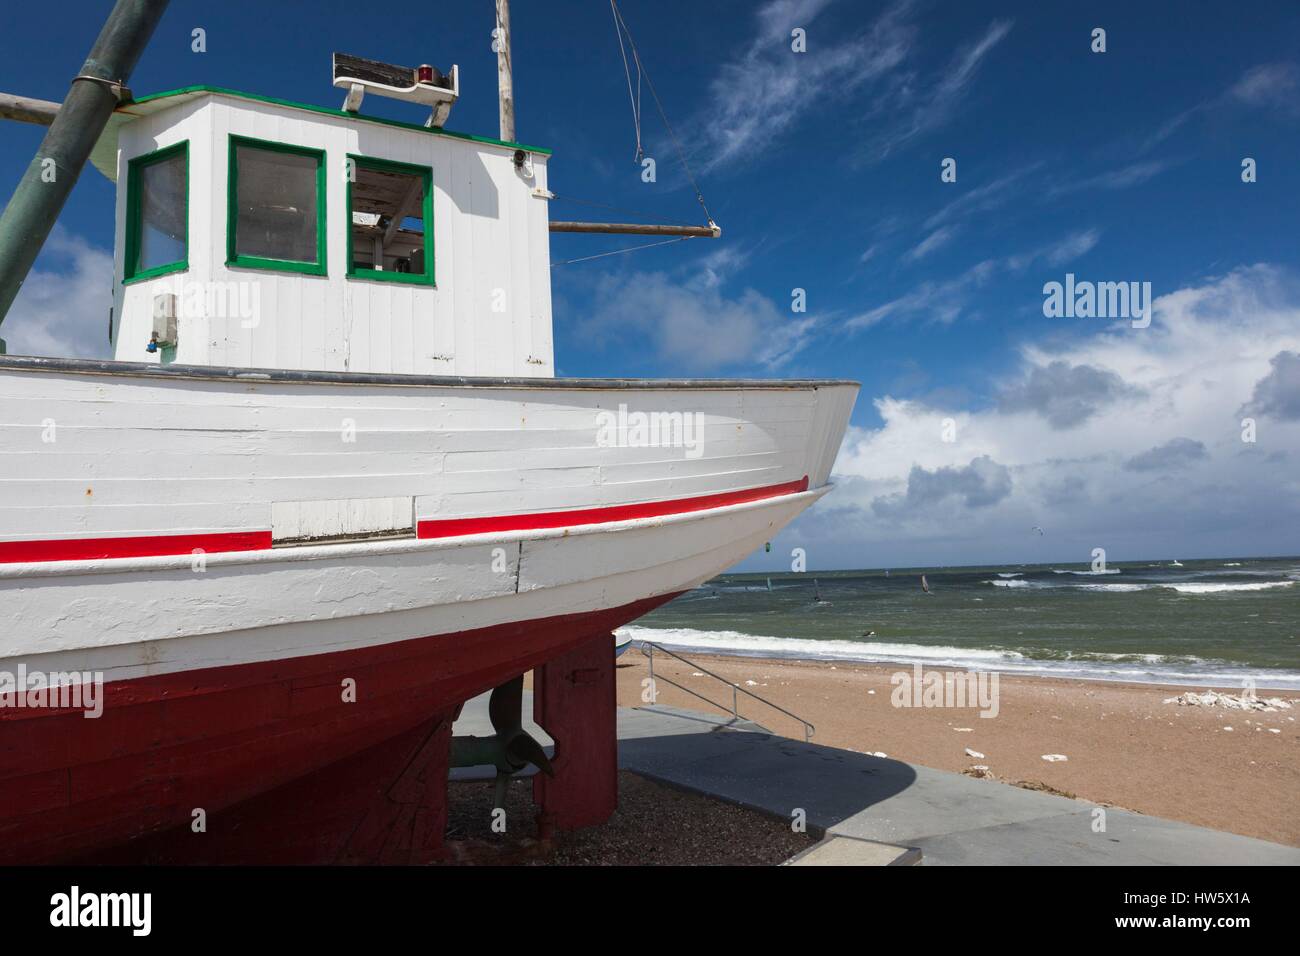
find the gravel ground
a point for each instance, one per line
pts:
(654, 825)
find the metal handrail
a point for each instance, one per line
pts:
(736, 689)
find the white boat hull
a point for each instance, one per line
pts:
(496, 480)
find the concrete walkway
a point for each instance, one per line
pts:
(950, 818)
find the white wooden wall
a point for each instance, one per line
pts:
(489, 232)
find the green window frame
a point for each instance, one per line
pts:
(233, 258)
(131, 271)
(381, 275)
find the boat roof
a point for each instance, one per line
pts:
(104, 155)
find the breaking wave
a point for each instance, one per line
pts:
(1116, 587)
(1194, 588)
(1135, 667)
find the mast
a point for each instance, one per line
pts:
(95, 92)
(505, 77)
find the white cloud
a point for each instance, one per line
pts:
(944, 300)
(1065, 250)
(1269, 84)
(718, 265)
(923, 105)
(1264, 86)
(688, 321)
(757, 97)
(62, 308)
(1133, 174)
(1174, 454)
(1071, 247)
(1277, 394)
(1064, 394)
(982, 199)
(940, 237)
(1145, 457)
(980, 484)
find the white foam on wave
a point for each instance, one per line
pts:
(1185, 588)
(1090, 573)
(1133, 668)
(1216, 588)
(758, 645)
(1013, 584)
(1013, 574)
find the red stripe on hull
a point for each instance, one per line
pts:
(219, 737)
(454, 527)
(150, 546)
(135, 546)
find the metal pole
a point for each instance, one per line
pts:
(654, 688)
(91, 99)
(505, 78)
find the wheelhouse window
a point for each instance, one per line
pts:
(157, 224)
(390, 216)
(276, 207)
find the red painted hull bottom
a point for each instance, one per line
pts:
(284, 769)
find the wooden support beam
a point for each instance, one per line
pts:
(711, 231)
(415, 188)
(25, 110)
(574, 699)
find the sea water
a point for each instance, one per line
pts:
(1220, 621)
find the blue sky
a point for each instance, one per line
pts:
(823, 169)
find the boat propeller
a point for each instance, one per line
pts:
(511, 748)
(505, 710)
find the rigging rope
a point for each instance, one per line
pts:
(627, 72)
(616, 252)
(621, 27)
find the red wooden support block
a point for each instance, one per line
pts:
(574, 701)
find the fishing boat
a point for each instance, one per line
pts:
(329, 488)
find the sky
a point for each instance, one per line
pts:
(914, 177)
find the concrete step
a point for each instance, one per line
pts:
(850, 851)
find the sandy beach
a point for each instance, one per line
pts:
(1125, 746)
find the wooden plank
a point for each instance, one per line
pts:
(636, 229)
(22, 109)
